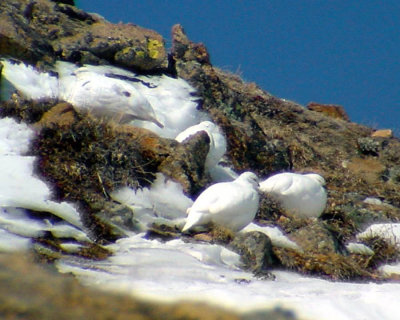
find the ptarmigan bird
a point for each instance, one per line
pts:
(102, 90)
(301, 195)
(232, 205)
(217, 141)
(174, 101)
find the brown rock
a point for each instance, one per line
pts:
(46, 30)
(183, 48)
(331, 110)
(205, 237)
(62, 115)
(180, 42)
(185, 163)
(384, 133)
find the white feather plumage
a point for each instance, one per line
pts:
(29, 81)
(232, 205)
(301, 195)
(101, 90)
(174, 101)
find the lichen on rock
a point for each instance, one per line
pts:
(47, 31)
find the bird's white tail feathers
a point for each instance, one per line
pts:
(29, 81)
(192, 219)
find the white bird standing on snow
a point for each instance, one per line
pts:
(217, 141)
(301, 195)
(232, 205)
(101, 90)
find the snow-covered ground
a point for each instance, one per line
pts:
(175, 270)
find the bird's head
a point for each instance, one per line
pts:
(249, 177)
(317, 178)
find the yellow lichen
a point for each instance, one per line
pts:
(126, 50)
(153, 46)
(140, 54)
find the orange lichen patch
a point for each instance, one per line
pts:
(384, 133)
(331, 110)
(369, 169)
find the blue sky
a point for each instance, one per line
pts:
(341, 52)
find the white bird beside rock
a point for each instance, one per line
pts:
(174, 101)
(217, 141)
(300, 195)
(232, 205)
(101, 90)
(105, 95)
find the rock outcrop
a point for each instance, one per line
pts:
(46, 31)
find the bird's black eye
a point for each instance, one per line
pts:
(126, 93)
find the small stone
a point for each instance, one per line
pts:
(359, 248)
(384, 133)
(62, 115)
(255, 249)
(330, 110)
(392, 174)
(369, 146)
(373, 201)
(206, 237)
(316, 238)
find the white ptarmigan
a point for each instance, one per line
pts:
(301, 195)
(101, 90)
(217, 141)
(232, 205)
(174, 101)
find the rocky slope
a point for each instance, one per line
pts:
(85, 159)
